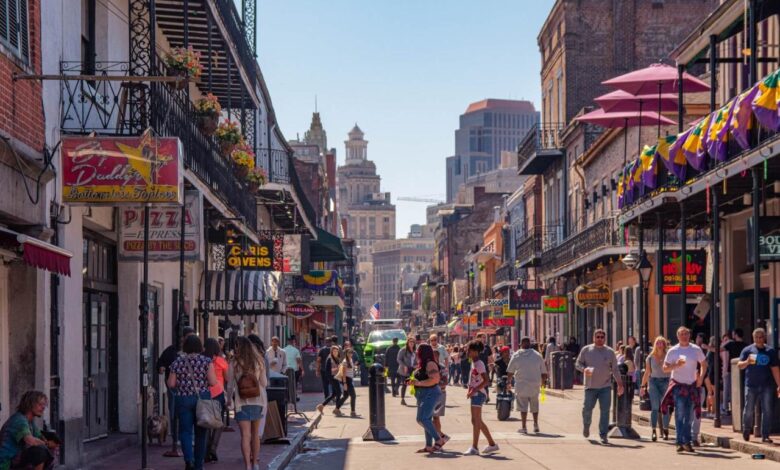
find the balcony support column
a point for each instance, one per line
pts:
(683, 265)
(142, 60)
(659, 276)
(209, 25)
(641, 297)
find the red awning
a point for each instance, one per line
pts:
(37, 253)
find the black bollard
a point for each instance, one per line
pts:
(376, 406)
(623, 406)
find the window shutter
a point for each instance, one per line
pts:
(4, 19)
(23, 30)
(13, 23)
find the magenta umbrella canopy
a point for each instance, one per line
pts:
(623, 119)
(657, 78)
(620, 101)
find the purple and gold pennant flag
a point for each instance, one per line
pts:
(742, 115)
(718, 133)
(765, 103)
(694, 145)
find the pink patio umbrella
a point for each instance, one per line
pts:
(655, 79)
(613, 120)
(620, 100)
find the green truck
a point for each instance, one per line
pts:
(377, 343)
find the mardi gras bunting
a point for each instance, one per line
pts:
(718, 133)
(765, 104)
(649, 166)
(693, 147)
(675, 164)
(741, 117)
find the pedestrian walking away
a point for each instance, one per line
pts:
(391, 363)
(322, 370)
(294, 360)
(332, 372)
(598, 363)
(168, 356)
(455, 365)
(655, 381)
(477, 394)
(347, 378)
(529, 370)
(687, 365)
(212, 350)
(191, 376)
(760, 364)
(427, 391)
(406, 364)
(250, 380)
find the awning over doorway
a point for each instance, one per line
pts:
(37, 253)
(236, 292)
(327, 247)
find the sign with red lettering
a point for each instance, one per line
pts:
(300, 311)
(121, 170)
(591, 296)
(498, 322)
(671, 271)
(555, 304)
(164, 231)
(525, 299)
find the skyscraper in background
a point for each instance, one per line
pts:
(487, 128)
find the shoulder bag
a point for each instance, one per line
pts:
(208, 414)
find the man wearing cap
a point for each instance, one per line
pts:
(528, 369)
(502, 363)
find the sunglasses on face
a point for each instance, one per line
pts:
(600, 337)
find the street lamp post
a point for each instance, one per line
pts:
(645, 269)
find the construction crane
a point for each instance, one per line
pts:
(419, 199)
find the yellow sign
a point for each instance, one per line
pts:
(255, 257)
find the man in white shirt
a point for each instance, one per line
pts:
(444, 358)
(277, 359)
(294, 359)
(529, 371)
(682, 361)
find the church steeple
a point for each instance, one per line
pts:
(316, 135)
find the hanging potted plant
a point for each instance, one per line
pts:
(243, 160)
(208, 110)
(255, 178)
(228, 135)
(184, 63)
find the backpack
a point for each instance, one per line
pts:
(248, 386)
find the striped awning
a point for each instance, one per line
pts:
(237, 292)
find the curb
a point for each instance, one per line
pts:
(726, 442)
(280, 461)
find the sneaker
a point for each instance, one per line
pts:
(489, 449)
(604, 440)
(471, 451)
(403, 401)
(536, 428)
(523, 431)
(689, 448)
(767, 440)
(354, 415)
(337, 412)
(586, 433)
(320, 407)
(680, 448)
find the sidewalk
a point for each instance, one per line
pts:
(724, 436)
(272, 455)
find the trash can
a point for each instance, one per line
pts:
(737, 395)
(562, 373)
(310, 382)
(277, 391)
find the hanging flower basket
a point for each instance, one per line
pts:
(240, 171)
(243, 160)
(255, 179)
(228, 136)
(208, 110)
(184, 63)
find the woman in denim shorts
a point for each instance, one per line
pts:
(249, 410)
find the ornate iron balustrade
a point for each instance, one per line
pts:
(539, 137)
(240, 34)
(105, 107)
(602, 234)
(276, 164)
(505, 273)
(537, 240)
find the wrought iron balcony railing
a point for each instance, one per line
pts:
(115, 107)
(505, 273)
(276, 163)
(541, 137)
(604, 233)
(537, 240)
(240, 35)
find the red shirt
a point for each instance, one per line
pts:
(220, 367)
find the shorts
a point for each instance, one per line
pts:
(441, 405)
(523, 403)
(249, 413)
(478, 399)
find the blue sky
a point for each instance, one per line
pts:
(404, 70)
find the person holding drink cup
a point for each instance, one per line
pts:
(683, 395)
(760, 364)
(598, 364)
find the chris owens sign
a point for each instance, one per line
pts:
(258, 257)
(117, 170)
(671, 270)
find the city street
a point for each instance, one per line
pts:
(337, 443)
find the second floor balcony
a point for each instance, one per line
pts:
(540, 148)
(538, 239)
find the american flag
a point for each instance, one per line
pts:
(374, 312)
